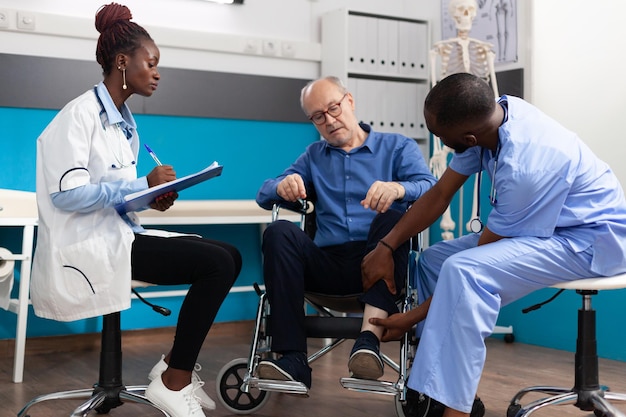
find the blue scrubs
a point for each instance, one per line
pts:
(564, 215)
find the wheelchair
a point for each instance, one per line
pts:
(241, 392)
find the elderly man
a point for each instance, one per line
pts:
(363, 181)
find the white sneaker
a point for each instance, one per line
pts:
(203, 398)
(181, 403)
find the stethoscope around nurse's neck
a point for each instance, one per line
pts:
(476, 224)
(120, 137)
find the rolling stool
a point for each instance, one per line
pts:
(109, 391)
(586, 394)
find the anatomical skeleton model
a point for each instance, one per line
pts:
(460, 54)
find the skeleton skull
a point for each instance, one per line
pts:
(463, 12)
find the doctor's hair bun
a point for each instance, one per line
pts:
(118, 35)
(110, 14)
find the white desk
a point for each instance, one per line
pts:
(20, 209)
(211, 212)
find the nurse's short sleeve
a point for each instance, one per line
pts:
(466, 163)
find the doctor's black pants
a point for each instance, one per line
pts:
(211, 268)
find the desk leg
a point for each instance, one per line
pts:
(262, 227)
(22, 307)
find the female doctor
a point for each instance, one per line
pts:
(87, 253)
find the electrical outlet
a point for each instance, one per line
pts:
(26, 20)
(287, 49)
(251, 46)
(4, 19)
(269, 47)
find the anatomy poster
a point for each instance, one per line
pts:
(495, 22)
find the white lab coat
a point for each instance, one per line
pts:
(82, 265)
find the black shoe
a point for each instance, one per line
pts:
(292, 366)
(421, 405)
(478, 408)
(365, 362)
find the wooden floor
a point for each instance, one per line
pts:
(54, 364)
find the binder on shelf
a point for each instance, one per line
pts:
(356, 47)
(141, 199)
(388, 46)
(412, 55)
(406, 48)
(369, 43)
(396, 110)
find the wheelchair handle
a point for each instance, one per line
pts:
(301, 206)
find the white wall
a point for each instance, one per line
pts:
(576, 71)
(194, 34)
(273, 18)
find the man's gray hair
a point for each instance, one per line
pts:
(334, 80)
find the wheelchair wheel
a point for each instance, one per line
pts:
(425, 408)
(401, 410)
(228, 384)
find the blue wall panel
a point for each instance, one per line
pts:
(250, 151)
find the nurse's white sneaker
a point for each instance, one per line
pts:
(203, 398)
(183, 403)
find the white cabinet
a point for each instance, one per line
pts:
(384, 61)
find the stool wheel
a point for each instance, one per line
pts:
(509, 338)
(228, 383)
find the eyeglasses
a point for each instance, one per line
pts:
(334, 110)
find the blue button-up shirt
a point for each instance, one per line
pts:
(341, 180)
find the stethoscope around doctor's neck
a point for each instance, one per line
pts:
(119, 138)
(476, 224)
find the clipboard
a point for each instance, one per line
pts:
(141, 199)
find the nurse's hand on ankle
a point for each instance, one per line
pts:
(395, 326)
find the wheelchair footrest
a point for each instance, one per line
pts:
(288, 387)
(369, 385)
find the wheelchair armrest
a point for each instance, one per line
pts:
(302, 207)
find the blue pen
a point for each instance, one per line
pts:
(152, 154)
